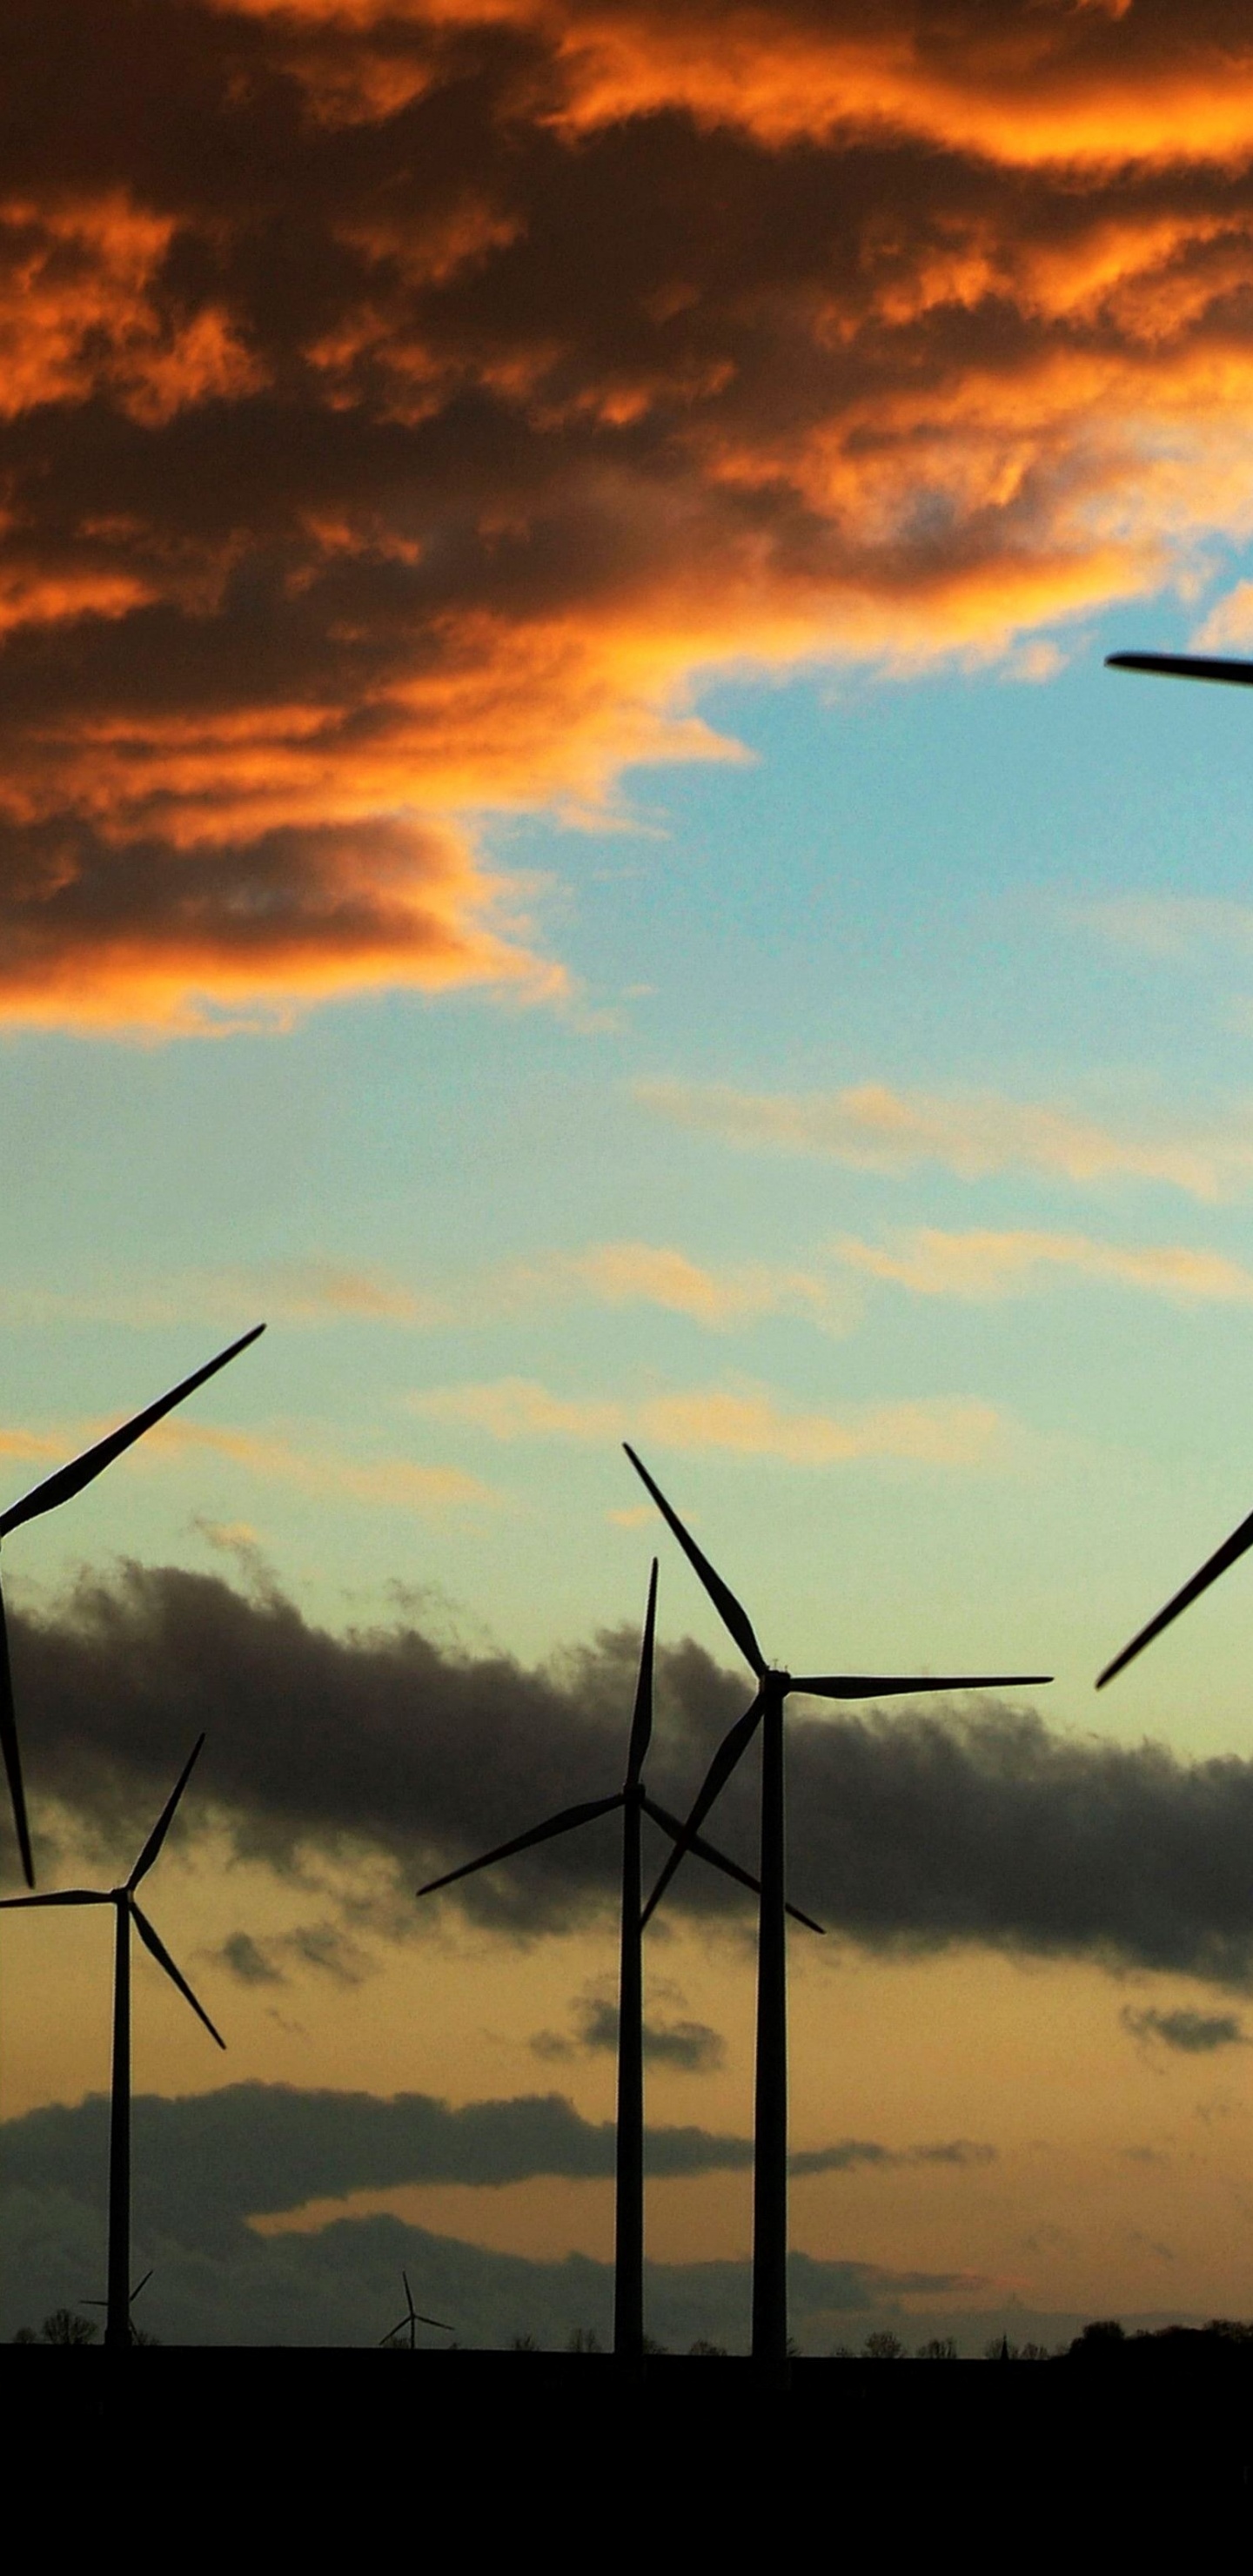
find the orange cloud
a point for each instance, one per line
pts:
(402, 408)
(984, 1264)
(876, 1129)
(746, 1420)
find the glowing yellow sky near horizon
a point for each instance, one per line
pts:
(1120, 2181)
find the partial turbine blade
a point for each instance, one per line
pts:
(642, 1721)
(408, 2292)
(565, 1823)
(889, 1685)
(1228, 1554)
(731, 1750)
(12, 1754)
(1183, 666)
(165, 1819)
(392, 2332)
(141, 2285)
(734, 1617)
(83, 1470)
(67, 1896)
(420, 2320)
(719, 1860)
(153, 1942)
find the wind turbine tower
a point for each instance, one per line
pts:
(765, 1712)
(127, 1912)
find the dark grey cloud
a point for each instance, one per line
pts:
(205, 2165)
(851, 2153)
(1194, 2034)
(691, 2046)
(911, 1828)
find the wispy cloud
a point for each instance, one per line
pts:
(396, 1483)
(1171, 925)
(986, 1265)
(874, 1128)
(1229, 625)
(291, 1292)
(628, 1274)
(951, 1431)
(1194, 2034)
(400, 1484)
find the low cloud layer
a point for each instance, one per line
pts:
(911, 1827)
(205, 2165)
(403, 406)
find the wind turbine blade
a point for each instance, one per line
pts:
(420, 2320)
(887, 1685)
(12, 1754)
(393, 2332)
(83, 1470)
(731, 1750)
(719, 1860)
(734, 1617)
(67, 1896)
(642, 1721)
(153, 1942)
(165, 1819)
(408, 2292)
(1183, 666)
(565, 1823)
(1228, 1554)
(141, 2285)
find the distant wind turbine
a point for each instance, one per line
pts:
(47, 1497)
(766, 1711)
(127, 1911)
(635, 1803)
(141, 2284)
(412, 2318)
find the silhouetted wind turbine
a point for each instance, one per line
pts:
(141, 2284)
(46, 1497)
(635, 1803)
(766, 1712)
(1184, 666)
(1228, 1554)
(127, 1910)
(412, 2318)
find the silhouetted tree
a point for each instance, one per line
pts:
(64, 2327)
(585, 2339)
(940, 2348)
(524, 2343)
(714, 2351)
(883, 2345)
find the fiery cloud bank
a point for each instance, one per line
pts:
(402, 406)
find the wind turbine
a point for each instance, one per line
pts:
(413, 2319)
(1184, 666)
(141, 2284)
(766, 1711)
(46, 1497)
(1228, 1554)
(127, 1911)
(635, 1803)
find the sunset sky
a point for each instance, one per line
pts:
(565, 840)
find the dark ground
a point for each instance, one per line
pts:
(478, 2456)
